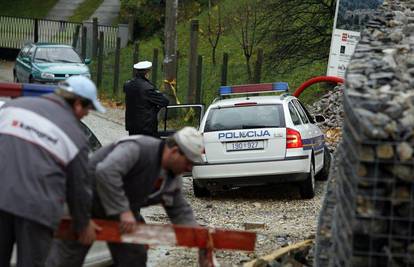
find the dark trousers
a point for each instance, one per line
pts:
(33, 241)
(66, 253)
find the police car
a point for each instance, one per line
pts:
(258, 140)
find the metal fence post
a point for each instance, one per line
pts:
(177, 63)
(192, 64)
(224, 69)
(135, 56)
(154, 73)
(258, 66)
(36, 30)
(116, 66)
(84, 38)
(131, 22)
(75, 37)
(199, 93)
(100, 60)
(94, 37)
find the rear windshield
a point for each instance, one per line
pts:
(247, 117)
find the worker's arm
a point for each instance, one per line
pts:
(156, 98)
(79, 190)
(109, 177)
(180, 212)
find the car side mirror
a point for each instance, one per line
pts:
(319, 118)
(87, 61)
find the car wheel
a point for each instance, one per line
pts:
(323, 175)
(307, 187)
(200, 191)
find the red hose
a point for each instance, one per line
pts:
(330, 79)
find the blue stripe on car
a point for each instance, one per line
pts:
(315, 143)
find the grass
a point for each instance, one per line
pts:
(237, 73)
(85, 10)
(25, 8)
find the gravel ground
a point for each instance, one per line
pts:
(286, 218)
(6, 71)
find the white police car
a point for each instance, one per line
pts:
(257, 140)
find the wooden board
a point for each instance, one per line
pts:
(168, 234)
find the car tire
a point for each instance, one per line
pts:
(323, 175)
(200, 191)
(307, 187)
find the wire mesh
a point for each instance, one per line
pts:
(374, 217)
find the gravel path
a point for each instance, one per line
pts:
(6, 71)
(286, 217)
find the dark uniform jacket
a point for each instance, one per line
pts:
(125, 173)
(143, 101)
(43, 161)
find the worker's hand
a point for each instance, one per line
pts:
(88, 235)
(127, 222)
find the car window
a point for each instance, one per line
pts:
(293, 114)
(301, 112)
(245, 117)
(23, 52)
(56, 55)
(31, 51)
(310, 117)
(93, 141)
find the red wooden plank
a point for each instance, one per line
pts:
(167, 234)
(11, 89)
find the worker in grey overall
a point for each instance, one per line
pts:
(43, 164)
(135, 172)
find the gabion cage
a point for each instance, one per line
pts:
(374, 218)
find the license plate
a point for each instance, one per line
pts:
(246, 145)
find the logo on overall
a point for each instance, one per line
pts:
(28, 128)
(234, 135)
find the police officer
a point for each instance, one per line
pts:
(143, 102)
(132, 173)
(43, 163)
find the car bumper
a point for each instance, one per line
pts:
(290, 169)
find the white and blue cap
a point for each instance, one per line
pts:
(143, 65)
(83, 87)
(190, 142)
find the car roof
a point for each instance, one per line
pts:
(278, 99)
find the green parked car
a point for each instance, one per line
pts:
(48, 63)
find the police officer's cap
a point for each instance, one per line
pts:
(143, 65)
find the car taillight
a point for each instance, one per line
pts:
(293, 139)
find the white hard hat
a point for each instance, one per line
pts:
(143, 65)
(83, 87)
(190, 142)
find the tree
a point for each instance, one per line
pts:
(214, 27)
(299, 32)
(247, 23)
